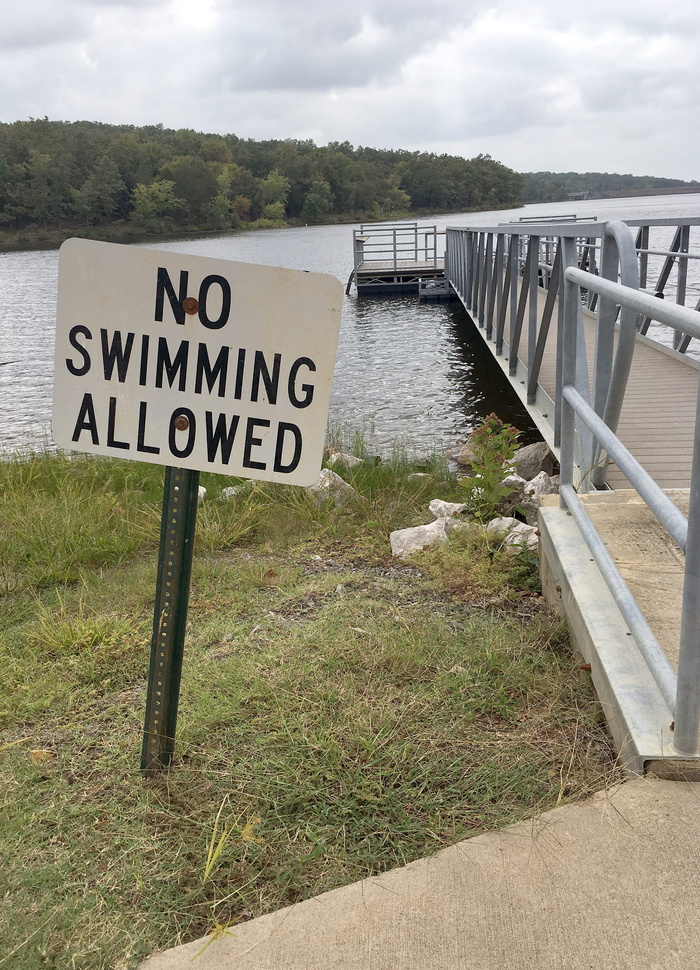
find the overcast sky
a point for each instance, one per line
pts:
(598, 85)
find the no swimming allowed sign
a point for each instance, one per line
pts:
(200, 365)
(194, 362)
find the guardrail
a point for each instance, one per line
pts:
(396, 244)
(682, 691)
(500, 273)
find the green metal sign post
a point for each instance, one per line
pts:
(177, 528)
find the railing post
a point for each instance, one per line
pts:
(605, 340)
(496, 286)
(687, 722)
(592, 297)
(568, 362)
(604, 349)
(534, 301)
(558, 377)
(477, 276)
(664, 274)
(533, 375)
(642, 242)
(682, 279)
(514, 275)
(486, 277)
(471, 260)
(503, 300)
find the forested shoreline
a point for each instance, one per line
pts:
(87, 178)
(560, 186)
(122, 182)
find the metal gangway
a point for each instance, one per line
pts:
(590, 324)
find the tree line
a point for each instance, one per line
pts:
(56, 175)
(560, 186)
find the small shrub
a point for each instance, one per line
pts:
(493, 444)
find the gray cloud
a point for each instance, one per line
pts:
(609, 84)
(316, 46)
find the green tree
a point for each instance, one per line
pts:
(275, 188)
(317, 202)
(234, 181)
(274, 210)
(215, 149)
(138, 161)
(241, 207)
(221, 213)
(195, 182)
(156, 203)
(100, 193)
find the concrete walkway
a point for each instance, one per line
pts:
(612, 883)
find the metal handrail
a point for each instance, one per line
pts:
(681, 692)
(498, 288)
(395, 243)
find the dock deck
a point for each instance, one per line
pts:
(395, 257)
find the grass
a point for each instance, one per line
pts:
(341, 712)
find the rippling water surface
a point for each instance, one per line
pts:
(405, 369)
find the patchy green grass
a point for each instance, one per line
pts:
(341, 712)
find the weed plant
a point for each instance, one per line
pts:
(493, 445)
(341, 712)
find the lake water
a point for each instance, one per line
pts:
(405, 370)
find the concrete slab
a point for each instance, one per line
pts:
(652, 566)
(650, 562)
(638, 717)
(608, 884)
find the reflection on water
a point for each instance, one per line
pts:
(420, 371)
(27, 325)
(404, 368)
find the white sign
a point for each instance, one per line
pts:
(194, 362)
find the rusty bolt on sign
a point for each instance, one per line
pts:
(190, 305)
(182, 422)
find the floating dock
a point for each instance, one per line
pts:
(399, 257)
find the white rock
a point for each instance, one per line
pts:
(504, 524)
(532, 459)
(465, 457)
(522, 535)
(201, 493)
(228, 493)
(331, 485)
(338, 458)
(541, 484)
(404, 542)
(442, 509)
(514, 482)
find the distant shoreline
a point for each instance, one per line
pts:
(621, 194)
(23, 240)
